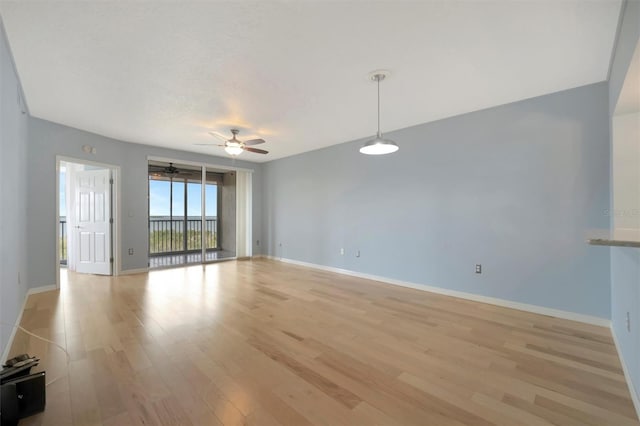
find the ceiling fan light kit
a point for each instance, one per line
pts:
(379, 145)
(234, 147)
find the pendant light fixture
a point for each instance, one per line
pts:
(379, 145)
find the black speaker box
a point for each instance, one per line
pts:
(22, 397)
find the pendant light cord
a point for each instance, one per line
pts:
(378, 79)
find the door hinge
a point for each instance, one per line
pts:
(111, 260)
(111, 220)
(110, 181)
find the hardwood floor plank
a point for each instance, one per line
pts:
(331, 389)
(515, 413)
(266, 343)
(170, 412)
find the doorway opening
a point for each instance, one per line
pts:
(190, 221)
(86, 213)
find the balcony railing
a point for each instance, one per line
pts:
(165, 235)
(178, 235)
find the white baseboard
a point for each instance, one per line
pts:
(29, 292)
(5, 353)
(134, 271)
(42, 289)
(632, 390)
(460, 294)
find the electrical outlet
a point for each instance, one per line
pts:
(130, 252)
(478, 268)
(357, 253)
(342, 251)
(628, 322)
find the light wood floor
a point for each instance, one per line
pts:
(267, 343)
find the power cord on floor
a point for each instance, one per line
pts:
(21, 328)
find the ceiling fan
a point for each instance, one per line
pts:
(169, 171)
(234, 146)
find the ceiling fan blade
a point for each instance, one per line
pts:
(256, 150)
(254, 142)
(219, 136)
(208, 144)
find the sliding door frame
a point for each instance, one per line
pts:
(203, 168)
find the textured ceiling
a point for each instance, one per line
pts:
(294, 73)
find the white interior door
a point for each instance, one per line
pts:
(92, 229)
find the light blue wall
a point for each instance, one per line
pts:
(515, 188)
(13, 178)
(625, 262)
(625, 297)
(46, 140)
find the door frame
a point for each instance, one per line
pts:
(205, 165)
(115, 211)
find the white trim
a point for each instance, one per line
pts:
(41, 289)
(57, 222)
(198, 164)
(203, 215)
(244, 238)
(134, 271)
(634, 395)
(117, 214)
(541, 310)
(29, 292)
(5, 353)
(83, 161)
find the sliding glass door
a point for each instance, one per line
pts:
(184, 214)
(193, 218)
(211, 215)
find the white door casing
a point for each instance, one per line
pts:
(92, 228)
(70, 195)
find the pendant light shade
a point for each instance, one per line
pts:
(379, 145)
